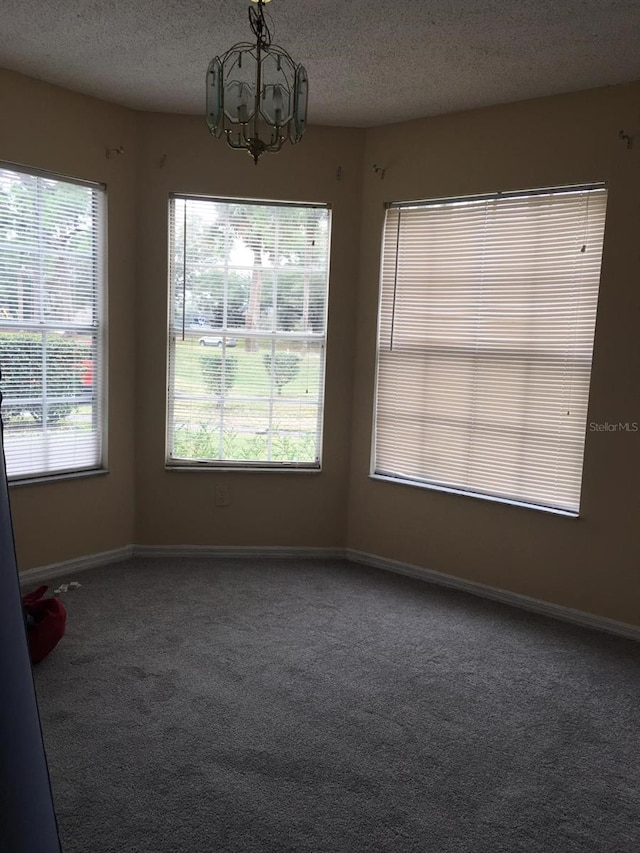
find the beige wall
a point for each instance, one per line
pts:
(285, 508)
(592, 563)
(48, 128)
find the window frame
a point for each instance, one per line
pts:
(452, 488)
(217, 465)
(100, 330)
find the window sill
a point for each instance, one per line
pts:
(491, 498)
(243, 469)
(55, 478)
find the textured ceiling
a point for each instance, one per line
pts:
(369, 63)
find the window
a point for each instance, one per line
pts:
(51, 330)
(248, 306)
(486, 325)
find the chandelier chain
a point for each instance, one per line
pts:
(259, 26)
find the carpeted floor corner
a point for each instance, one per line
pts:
(227, 706)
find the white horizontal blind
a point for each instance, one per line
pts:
(248, 306)
(486, 326)
(51, 294)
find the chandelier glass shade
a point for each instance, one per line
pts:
(256, 94)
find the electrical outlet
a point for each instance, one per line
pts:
(222, 496)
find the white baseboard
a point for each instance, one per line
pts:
(523, 602)
(79, 564)
(241, 551)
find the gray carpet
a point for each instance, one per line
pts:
(209, 706)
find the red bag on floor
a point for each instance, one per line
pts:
(46, 619)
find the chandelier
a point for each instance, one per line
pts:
(256, 94)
